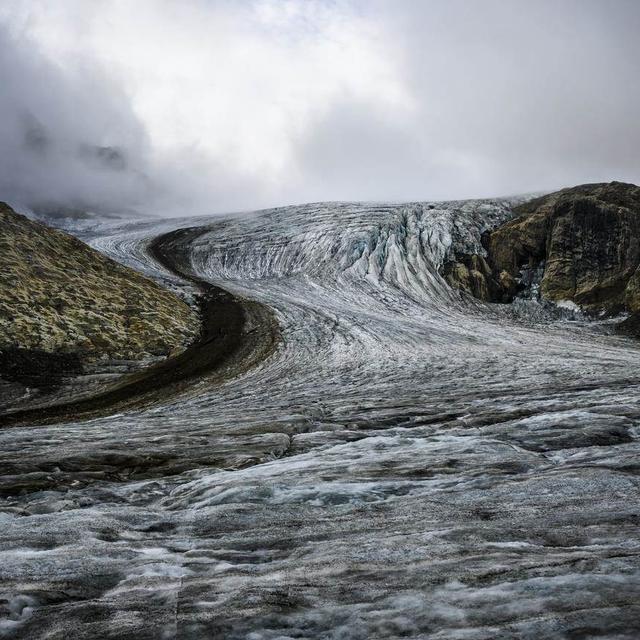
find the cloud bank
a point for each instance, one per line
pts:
(208, 106)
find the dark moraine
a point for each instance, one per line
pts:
(223, 341)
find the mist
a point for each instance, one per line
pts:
(209, 106)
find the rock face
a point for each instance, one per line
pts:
(59, 297)
(580, 245)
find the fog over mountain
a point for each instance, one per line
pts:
(210, 106)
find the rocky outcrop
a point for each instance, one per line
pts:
(59, 296)
(473, 274)
(579, 245)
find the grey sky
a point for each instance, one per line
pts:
(206, 106)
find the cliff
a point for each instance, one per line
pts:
(578, 245)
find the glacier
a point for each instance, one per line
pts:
(407, 463)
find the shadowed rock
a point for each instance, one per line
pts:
(583, 241)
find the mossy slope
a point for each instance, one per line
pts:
(59, 295)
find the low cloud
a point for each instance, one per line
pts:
(208, 106)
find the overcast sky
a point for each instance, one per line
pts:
(184, 106)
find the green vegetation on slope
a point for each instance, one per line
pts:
(58, 295)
